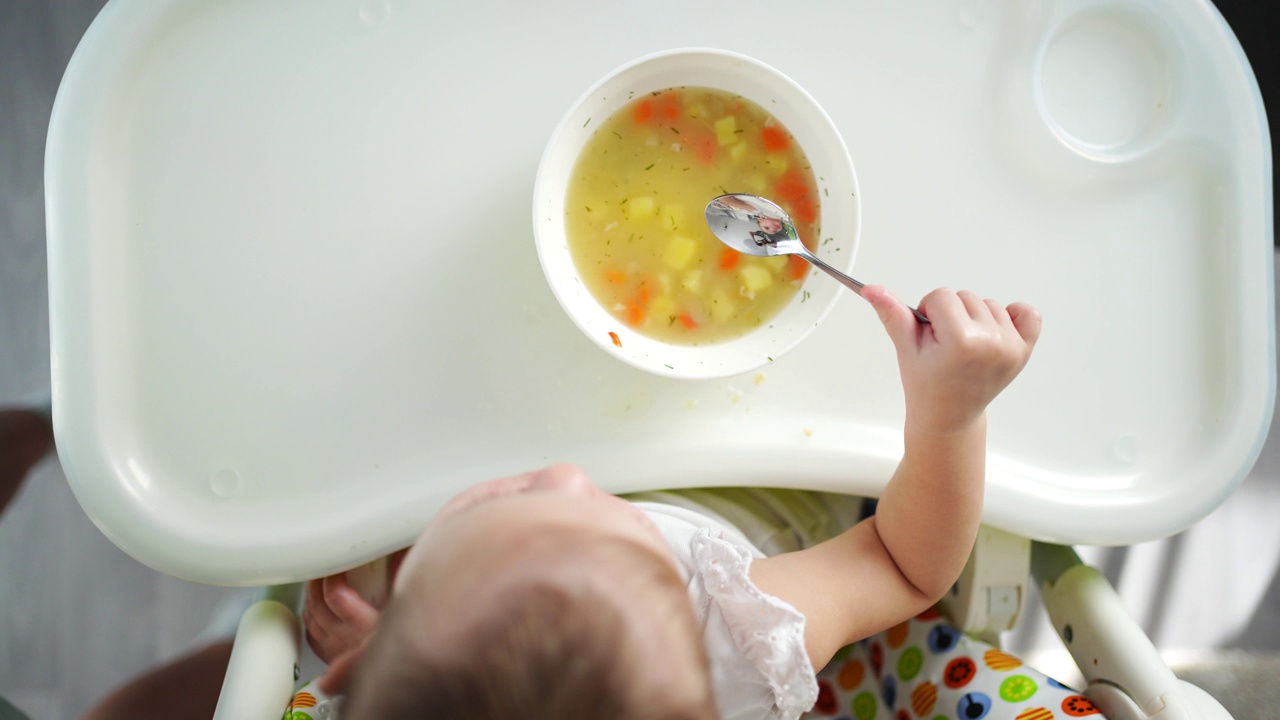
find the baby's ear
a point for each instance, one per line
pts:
(337, 677)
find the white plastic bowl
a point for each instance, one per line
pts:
(810, 126)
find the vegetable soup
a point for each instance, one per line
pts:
(634, 214)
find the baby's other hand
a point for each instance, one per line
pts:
(336, 618)
(955, 365)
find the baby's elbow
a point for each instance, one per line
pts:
(929, 591)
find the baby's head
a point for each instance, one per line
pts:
(539, 596)
(770, 225)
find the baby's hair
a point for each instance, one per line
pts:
(548, 651)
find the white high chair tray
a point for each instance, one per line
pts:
(296, 305)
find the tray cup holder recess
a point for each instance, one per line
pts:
(1107, 81)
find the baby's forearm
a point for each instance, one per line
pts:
(896, 564)
(929, 512)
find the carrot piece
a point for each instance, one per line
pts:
(797, 267)
(774, 138)
(729, 258)
(634, 314)
(792, 185)
(669, 106)
(687, 320)
(803, 209)
(643, 295)
(705, 148)
(614, 337)
(615, 277)
(643, 112)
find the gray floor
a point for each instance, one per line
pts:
(77, 616)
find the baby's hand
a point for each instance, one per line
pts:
(955, 365)
(336, 618)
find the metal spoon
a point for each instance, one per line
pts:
(753, 225)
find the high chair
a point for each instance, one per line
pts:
(267, 367)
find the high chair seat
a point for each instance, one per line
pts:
(923, 668)
(926, 668)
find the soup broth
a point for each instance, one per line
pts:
(634, 214)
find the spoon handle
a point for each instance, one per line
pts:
(847, 281)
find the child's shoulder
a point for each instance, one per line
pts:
(753, 640)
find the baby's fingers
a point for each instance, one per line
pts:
(346, 603)
(950, 316)
(1026, 320)
(316, 608)
(976, 307)
(898, 320)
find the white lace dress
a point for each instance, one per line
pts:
(760, 668)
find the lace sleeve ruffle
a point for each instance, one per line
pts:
(765, 631)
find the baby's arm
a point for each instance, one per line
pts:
(899, 562)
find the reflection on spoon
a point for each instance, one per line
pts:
(753, 225)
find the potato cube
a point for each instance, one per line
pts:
(639, 208)
(756, 183)
(775, 264)
(754, 278)
(679, 251)
(737, 152)
(692, 280)
(720, 306)
(726, 130)
(664, 282)
(662, 309)
(776, 163)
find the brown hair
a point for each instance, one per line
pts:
(548, 651)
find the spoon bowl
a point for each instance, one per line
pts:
(753, 225)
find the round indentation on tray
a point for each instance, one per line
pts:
(1107, 80)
